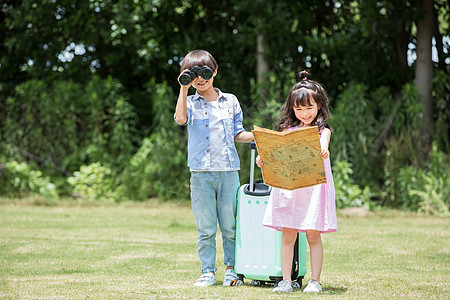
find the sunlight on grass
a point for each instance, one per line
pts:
(149, 250)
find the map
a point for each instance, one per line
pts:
(291, 159)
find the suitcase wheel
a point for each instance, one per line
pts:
(277, 281)
(256, 282)
(296, 285)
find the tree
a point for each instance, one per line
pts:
(424, 71)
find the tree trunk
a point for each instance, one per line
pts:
(262, 67)
(424, 72)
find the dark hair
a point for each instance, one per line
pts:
(198, 58)
(301, 94)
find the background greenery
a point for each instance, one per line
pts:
(88, 90)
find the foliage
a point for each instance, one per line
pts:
(441, 94)
(433, 198)
(64, 125)
(158, 168)
(85, 82)
(355, 128)
(20, 180)
(348, 193)
(426, 190)
(93, 182)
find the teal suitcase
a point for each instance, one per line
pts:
(257, 246)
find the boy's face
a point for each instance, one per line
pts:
(201, 85)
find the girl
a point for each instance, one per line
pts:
(312, 209)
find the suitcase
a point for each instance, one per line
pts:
(257, 246)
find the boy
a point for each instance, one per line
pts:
(214, 122)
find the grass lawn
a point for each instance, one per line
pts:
(148, 251)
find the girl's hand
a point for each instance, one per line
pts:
(324, 153)
(259, 162)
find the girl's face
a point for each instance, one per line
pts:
(307, 114)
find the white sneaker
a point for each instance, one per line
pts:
(313, 287)
(231, 278)
(206, 279)
(283, 286)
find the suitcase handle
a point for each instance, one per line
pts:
(252, 166)
(255, 188)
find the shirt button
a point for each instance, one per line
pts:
(206, 125)
(207, 150)
(207, 137)
(206, 113)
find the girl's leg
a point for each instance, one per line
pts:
(316, 253)
(287, 252)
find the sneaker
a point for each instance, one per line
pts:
(313, 287)
(283, 286)
(206, 279)
(231, 278)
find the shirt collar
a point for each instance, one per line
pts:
(221, 97)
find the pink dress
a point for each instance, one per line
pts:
(311, 208)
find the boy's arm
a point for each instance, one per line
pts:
(241, 136)
(244, 137)
(181, 108)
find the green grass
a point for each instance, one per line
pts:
(148, 251)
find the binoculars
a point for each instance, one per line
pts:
(205, 72)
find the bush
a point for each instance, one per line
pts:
(355, 130)
(65, 125)
(93, 182)
(426, 190)
(348, 194)
(60, 127)
(158, 169)
(19, 180)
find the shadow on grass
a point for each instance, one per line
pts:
(328, 290)
(334, 290)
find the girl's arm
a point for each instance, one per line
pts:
(244, 137)
(324, 142)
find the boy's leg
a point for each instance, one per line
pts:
(226, 210)
(203, 201)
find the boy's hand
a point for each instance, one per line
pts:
(184, 86)
(324, 153)
(259, 162)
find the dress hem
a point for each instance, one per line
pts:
(280, 228)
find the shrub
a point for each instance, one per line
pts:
(355, 129)
(93, 182)
(158, 168)
(65, 125)
(20, 180)
(348, 194)
(426, 190)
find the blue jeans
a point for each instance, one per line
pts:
(214, 198)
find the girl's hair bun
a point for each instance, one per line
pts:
(303, 75)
